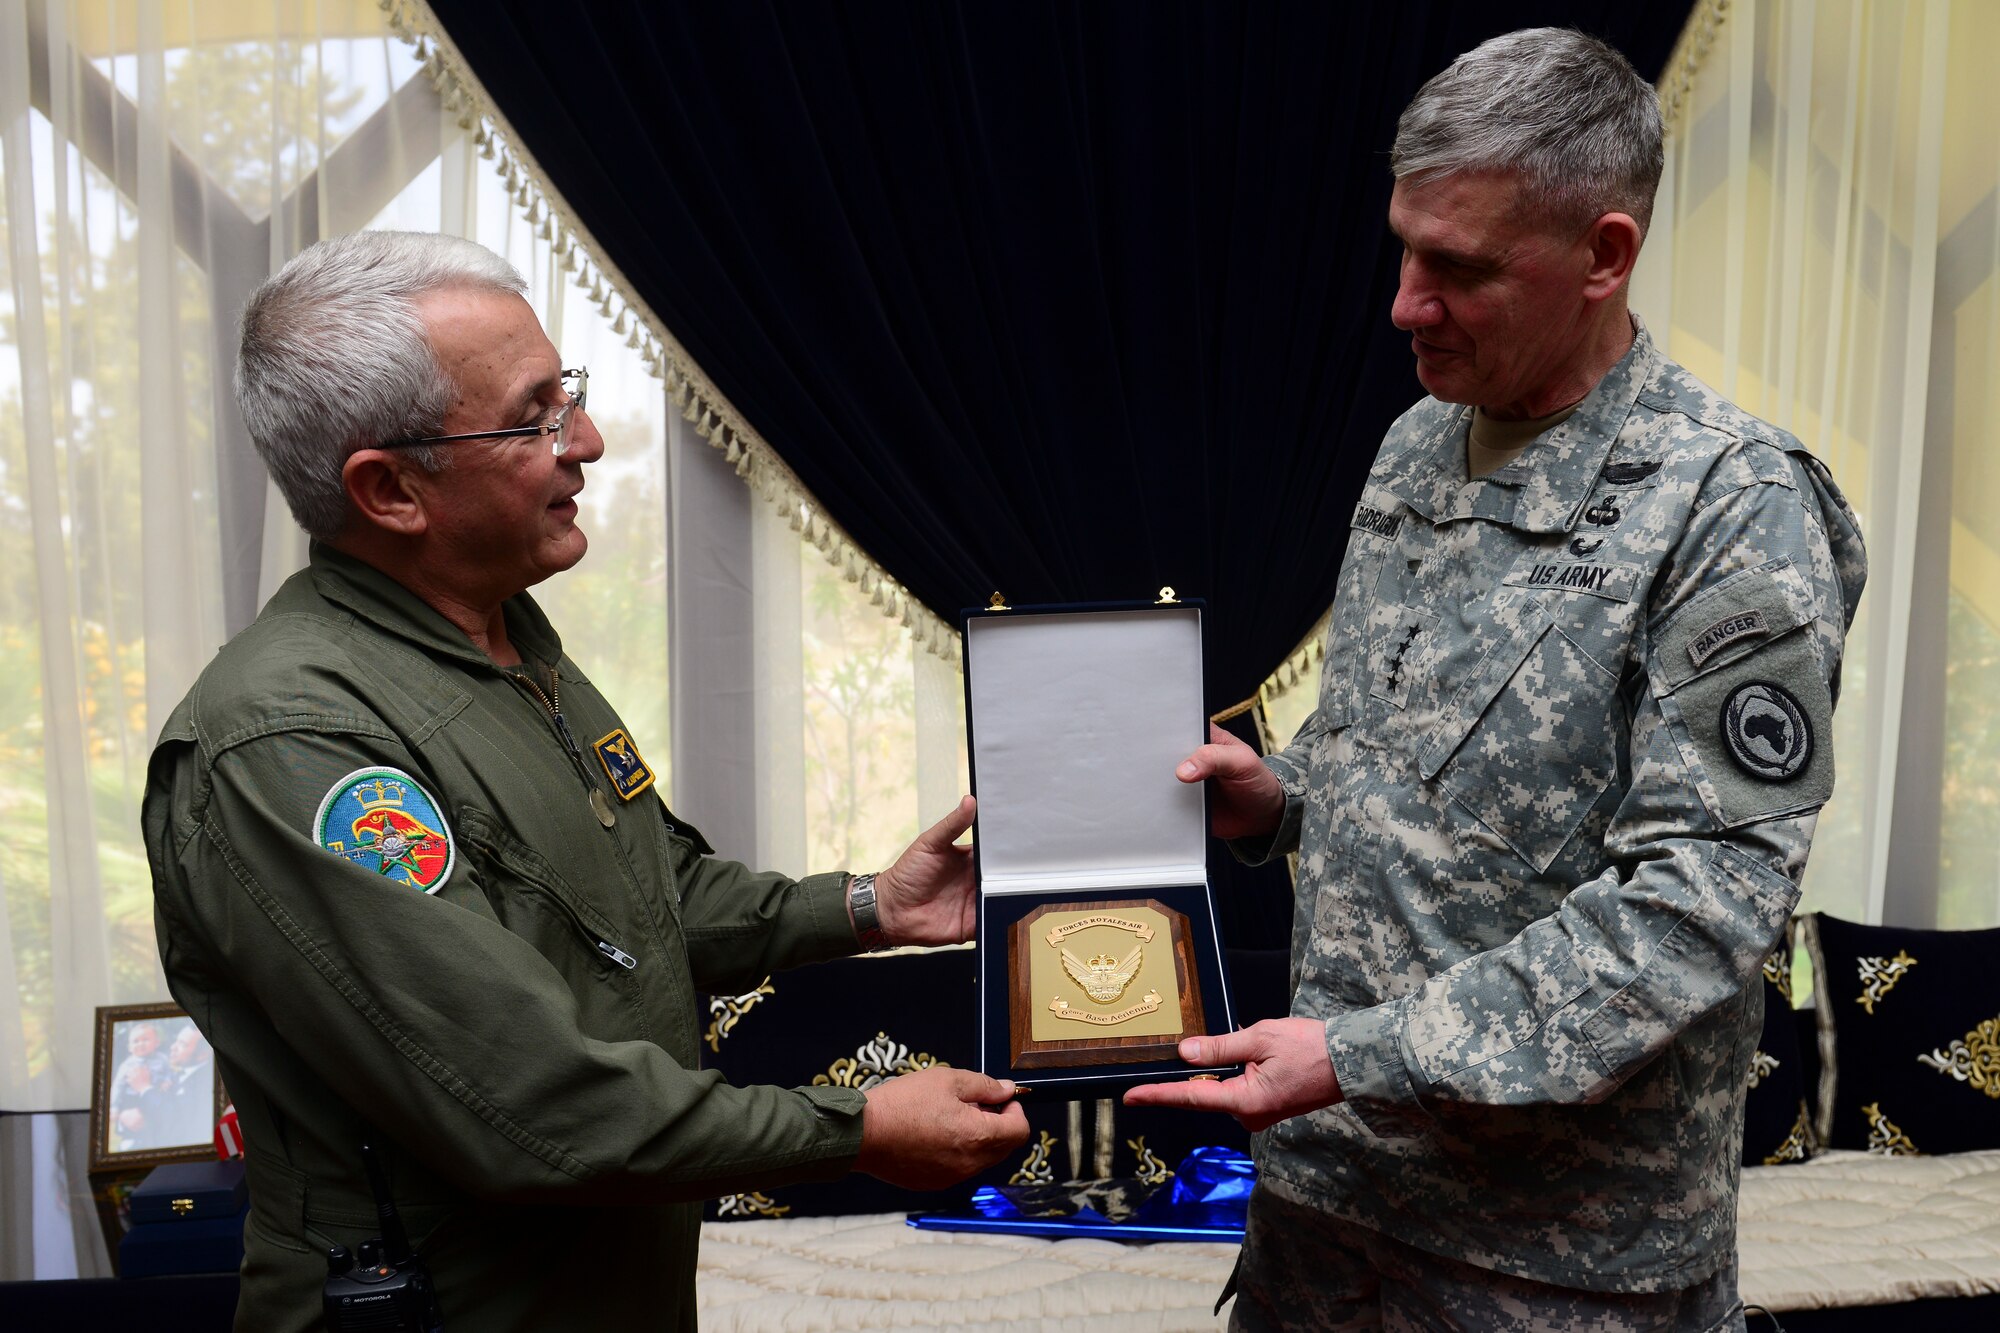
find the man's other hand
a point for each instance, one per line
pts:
(926, 897)
(1244, 798)
(1286, 1072)
(926, 1130)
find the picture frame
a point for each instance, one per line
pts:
(155, 1095)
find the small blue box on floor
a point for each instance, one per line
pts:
(187, 1217)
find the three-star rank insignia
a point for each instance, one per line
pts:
(383, 821)
(622, 764)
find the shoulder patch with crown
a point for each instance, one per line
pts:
(383, 821)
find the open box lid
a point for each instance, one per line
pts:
(1078, 719)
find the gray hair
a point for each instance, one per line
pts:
(334, 357)
(1564, 110)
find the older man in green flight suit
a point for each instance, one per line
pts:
(1572, 739)
(412, 877)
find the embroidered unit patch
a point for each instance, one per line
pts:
(622, 764)
(1766, 731)
(382, 820)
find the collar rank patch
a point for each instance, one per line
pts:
(383, 821)
(1766, 732)
(622, 764)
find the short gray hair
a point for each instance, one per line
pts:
(1564, 110)
(334, 357)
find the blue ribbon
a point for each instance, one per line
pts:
(1210, 1191)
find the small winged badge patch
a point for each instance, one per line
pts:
(628, 772)
(1102, 979)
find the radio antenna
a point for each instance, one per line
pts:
(395, 1241)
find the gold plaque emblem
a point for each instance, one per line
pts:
(1103, 979)
(1101, 983)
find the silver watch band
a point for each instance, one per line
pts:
(867, 916)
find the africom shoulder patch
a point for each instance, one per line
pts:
(382, 820)
(1766, 732)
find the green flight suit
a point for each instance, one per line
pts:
(519, 1041)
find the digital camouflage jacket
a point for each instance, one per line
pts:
(1573, 735)
(409, 906)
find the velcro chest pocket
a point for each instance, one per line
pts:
(1528, 744)
(1742, 686)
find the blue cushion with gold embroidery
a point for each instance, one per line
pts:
(1909, 1027)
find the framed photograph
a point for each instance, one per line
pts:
(154, 1094)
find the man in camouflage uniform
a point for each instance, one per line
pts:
(414, 880)
(1572, 738)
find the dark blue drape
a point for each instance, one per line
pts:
(1066, 300)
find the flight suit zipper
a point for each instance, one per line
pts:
(600, 804)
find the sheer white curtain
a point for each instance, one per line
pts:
(811, 731)
(1824, 252)
(158, 160)
(155, 161)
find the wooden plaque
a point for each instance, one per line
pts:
(1120, 974)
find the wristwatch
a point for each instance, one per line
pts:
(861, 906)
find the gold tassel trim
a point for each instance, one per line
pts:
(687, 386)
(1697, 39)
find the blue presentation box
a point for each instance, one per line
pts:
(187, 1217)
(1097, 947)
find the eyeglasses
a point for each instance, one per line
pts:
(576, 383)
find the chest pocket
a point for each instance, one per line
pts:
(1528, 744)
(597, 957)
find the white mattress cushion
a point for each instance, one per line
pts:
(1854, 1228)
(1844, 1229)
(831, 1273)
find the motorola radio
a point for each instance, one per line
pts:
(381, 1287)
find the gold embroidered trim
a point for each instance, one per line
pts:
(726, 1011)
(874, 1061)
(1880, 975)
(1778, 971)
(1798, 1144)
(1883, 1136)
(1973, 1058)
(1037, 1168)
(1697, 39)
(1761, 1063)
(1152, 1167)
(750, 1205)
(715, 418)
